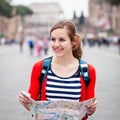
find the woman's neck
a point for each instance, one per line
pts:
(63, 66)
(64, 60)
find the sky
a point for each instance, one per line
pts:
(68, 6)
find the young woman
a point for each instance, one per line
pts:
(66, 45)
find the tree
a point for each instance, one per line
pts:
(114, 2)
(23, 10)
(5, 8)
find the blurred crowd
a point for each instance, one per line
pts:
(40, 44)
(101, 39)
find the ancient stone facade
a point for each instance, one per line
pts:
(104, 16)
(45, 15)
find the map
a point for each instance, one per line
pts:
(58, 110)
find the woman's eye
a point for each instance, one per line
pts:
(62, 39)
(52, 39)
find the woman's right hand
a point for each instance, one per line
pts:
(24, 101)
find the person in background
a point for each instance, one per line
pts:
(45, 45)
(31, 45)
(39, 46)
(21, 42)
(118, 43)
(66, 45)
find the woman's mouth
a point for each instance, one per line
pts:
(58, 49)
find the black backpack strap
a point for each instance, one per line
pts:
(44, 71)
(84, 71)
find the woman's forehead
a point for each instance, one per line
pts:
(59, 32)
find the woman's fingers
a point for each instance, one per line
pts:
(93, 105)
(24, 101)
(92, 108)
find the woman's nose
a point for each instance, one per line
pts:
(57, 43)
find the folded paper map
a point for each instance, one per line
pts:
(58, 110)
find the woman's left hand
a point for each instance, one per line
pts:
(92, 108)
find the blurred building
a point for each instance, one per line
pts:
(104, 16)
(8, 27)
(12, 28)
(3, 24)
(45, 15)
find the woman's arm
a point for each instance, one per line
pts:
(90, 91)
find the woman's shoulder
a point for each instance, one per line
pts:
(91, 67)
(38, 64)
(92, 71)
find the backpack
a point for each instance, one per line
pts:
(83, 71)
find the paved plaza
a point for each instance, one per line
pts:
(15, 69)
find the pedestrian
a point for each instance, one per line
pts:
(39, 46)
(66, 45)
(45, 45)
(21, 42)
(118, 45)
(31, 45)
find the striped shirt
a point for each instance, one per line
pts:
(59, 88)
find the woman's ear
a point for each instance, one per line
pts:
(74, 42)
(73, 45)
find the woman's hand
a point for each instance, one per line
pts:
(24, 101)
(92, 108)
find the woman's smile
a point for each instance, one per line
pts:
(58, 49)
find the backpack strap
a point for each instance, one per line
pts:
(84, 71)
(45, 68)
(43, 72)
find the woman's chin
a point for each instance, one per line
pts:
(58, 54)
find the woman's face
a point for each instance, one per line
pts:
(60, 42)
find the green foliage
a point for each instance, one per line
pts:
(5, 8)
(114, 2)
(22, 10)
(1, 35)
